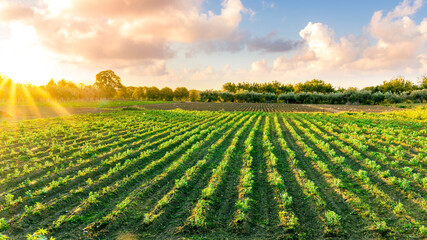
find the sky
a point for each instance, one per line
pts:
(202, 44)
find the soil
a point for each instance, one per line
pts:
(268, 107)
(30, 112)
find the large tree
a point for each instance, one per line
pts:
(166, 94)
(314, 85)
(181, 93)
(152, 93)
(396, 85)
(108, 82)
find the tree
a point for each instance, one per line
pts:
(138, 93)
(152, 93)
(314, 85)
(108, 82)
(123, 93)
(209, 96)
(396, 85)
(229, 87)
(166, 94)
(194, 95)
(226, 97)
(181, 93)
(423, 82)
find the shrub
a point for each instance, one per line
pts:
(269, 97)
(289, 97)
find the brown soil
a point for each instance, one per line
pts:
(29, 112)
(268, 107)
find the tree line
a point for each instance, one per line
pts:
(397, 90)
(108, 86)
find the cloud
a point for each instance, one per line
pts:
(235, 42)
(260, 66)
(399, 44)
(271, 43)
(14, 11)
(239, 41)
(122, 30)
(147, 68)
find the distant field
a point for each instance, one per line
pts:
(90, 104)
(182, 174)
(22, 112)
(268, 107)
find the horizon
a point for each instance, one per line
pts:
(205, 44)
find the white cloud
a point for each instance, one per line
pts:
(399, 45)
(260, 66)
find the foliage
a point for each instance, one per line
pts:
(3, 224)
(273, 87)
(194, 95)
(166, 94)
(181, 93)
(108, 82)
(314, 85)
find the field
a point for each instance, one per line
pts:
(267, 107)
(246, 175)
(25, 112)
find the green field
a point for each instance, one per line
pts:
(215, 175)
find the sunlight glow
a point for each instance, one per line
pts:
(27, 61)
(58, 108)
(11, 103)
(30, 102)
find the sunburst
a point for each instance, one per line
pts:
(25, 97)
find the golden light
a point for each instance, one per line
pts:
(30, 101)
(11, 103)
(58, 108)
(23, 58)
(23, 105)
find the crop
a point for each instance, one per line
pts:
(173, 174)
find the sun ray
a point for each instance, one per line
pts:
(11, 103)
(3, 81)
(57, 107)
(30, 101)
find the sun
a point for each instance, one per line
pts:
(23, 59)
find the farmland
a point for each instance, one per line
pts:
(171, 174)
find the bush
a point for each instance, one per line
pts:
(3, 225)
(377, 97)
(254, 97)
(209, 96)
(303, 97)
(289, 97)
(269, 97)
(226, 97)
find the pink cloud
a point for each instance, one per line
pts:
(131, 31)
(12, 11)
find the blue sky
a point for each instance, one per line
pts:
(203, 44)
